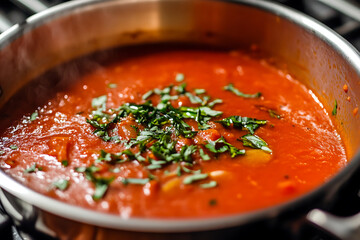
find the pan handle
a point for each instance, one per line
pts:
(346, 228)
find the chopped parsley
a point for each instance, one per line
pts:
(230, 87)
(334, 111)
(61, 184)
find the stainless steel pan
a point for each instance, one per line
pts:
(313, 53)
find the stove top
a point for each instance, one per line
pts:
(340, 15)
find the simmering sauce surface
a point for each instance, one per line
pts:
(52, 147)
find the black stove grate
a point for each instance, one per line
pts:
(344, 19)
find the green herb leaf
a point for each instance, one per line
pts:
(101, 186)
(61, 184)
(33, 116)
(221, 146)
(216, 101)
(334, 111)
(210, 184)
(193, 99)
(199, 91)
(274, 114)
(179, 77)
(99, 102)
(65, 163)
(2, 152)
(195, 177)
(33, 168)
(232, 89)
(250, 124)
(212, 202)
(139, 181)
(147, 95)
(203, 155)
(254, 141)
(112, 85)
(13, 147)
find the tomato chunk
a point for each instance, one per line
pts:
(59, 147)
(205, 136)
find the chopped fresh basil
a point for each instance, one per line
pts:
(178, 171)
(179, 77)
(13, 147)
(101, 184)
(154, 166)
(147, 95)
(334, 111)
(158, 129)
(61, 184)
(203, 155)
(195, 177)
(230, 87)
(139, 181)
(221, 146)
(210, 184)
(199, 91)
(187, 151)
(112, 85)
(193, 99)
(65, 163)
(254, 141)
(250, 124)
(33, 168)
(274, 114)
(99, 102)
(216, 101)
(33, 116)
(104, 156)
(118, 157)
(212, 202)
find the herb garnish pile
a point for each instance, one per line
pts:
(159, 127)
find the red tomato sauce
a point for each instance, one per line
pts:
(305, 147)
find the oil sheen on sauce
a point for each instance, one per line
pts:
(41, 146)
